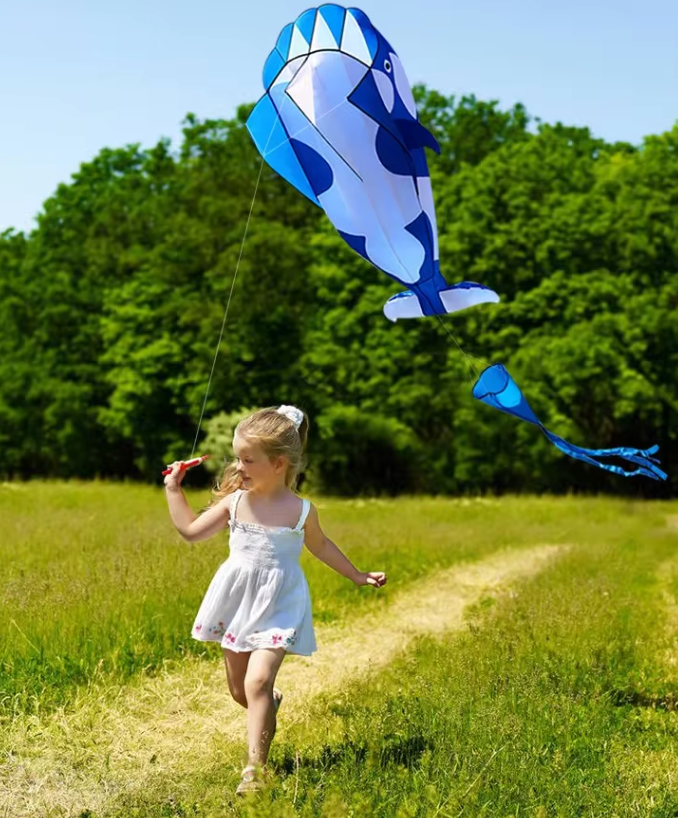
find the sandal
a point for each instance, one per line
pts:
(250, 781)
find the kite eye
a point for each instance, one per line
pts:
(387, 66)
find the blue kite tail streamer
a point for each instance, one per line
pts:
(642, 457)
(496, 388)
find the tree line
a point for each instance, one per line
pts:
(110, 311)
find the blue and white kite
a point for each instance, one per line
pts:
(496, 388)
(339, 122)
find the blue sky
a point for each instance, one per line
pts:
(77, 75)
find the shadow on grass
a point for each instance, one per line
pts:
(405, 751)
(639, 698)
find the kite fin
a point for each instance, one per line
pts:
(416, 135)
(416, 303)
(497, 389)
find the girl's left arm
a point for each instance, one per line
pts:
(326, 551)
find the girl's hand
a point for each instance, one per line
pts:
(174, 478)
(375, 578)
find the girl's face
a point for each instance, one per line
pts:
(258, 472)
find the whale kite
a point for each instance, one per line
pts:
(339, 122)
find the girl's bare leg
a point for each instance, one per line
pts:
(236, 669)
(262, 669)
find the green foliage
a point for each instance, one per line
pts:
(219, 438)
(379, 454)
(111, 309)
(468, 130)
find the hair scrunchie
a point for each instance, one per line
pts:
(293, 414)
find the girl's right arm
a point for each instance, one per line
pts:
(190, 526)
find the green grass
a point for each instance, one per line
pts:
(553, 704)
(96, 585)
(556, 702)
(559, 700)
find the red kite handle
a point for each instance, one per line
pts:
(188, 464)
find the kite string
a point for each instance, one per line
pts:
(228, 304)
(468, 357)
(235, 276)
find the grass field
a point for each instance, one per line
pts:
(558, 698)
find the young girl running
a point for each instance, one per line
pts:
(258, 605)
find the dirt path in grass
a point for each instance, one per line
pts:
(165, 727)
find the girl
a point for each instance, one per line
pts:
(258, 605)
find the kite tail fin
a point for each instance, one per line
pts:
(418, 301)
(647, 465)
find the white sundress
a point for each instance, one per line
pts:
(259, 597)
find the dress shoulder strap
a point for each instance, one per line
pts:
(235, 499)
(305, 508)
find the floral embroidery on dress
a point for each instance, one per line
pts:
(277, 639)
(217, 630)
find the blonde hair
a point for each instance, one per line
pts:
(276, 435)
